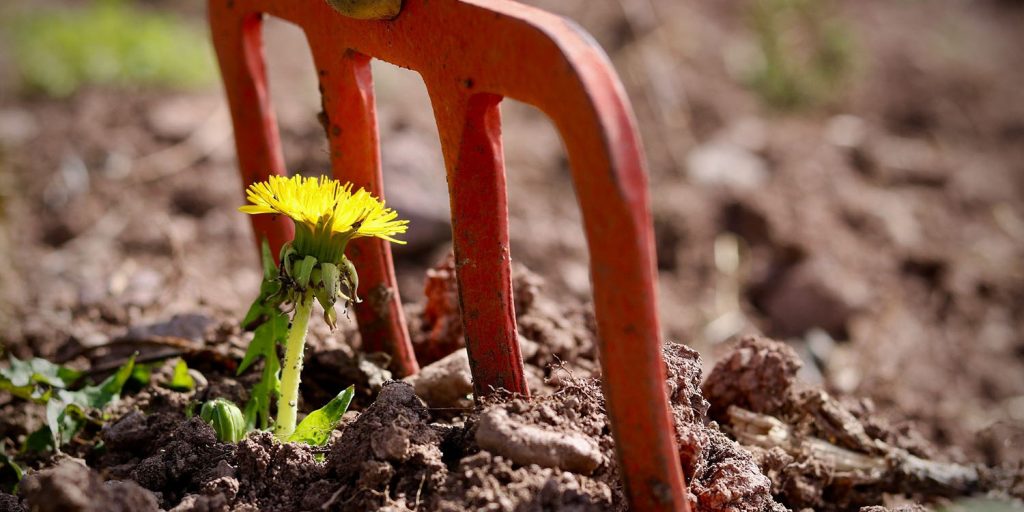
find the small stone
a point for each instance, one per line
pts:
(846, 131)
(726, 164)
(17, 126)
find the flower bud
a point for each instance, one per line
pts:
(225, 418)
(349, 280)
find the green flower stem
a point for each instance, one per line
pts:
(287, 405)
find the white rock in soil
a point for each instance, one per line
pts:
(725, 164)
(846, 131)
(17, 126)
(446, 382)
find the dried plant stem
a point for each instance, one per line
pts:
(891, 466)
(291, 370)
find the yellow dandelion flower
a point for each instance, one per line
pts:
(327, 214)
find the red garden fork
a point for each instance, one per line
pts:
(471, 54)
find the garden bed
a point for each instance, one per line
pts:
(879, 235)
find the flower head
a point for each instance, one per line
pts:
(327, 215)
(325, 204)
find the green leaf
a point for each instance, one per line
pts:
(264, 344)
(269, 299)
(60, 425)
(181, 380)
(66, 411)
(142, 373)
(34, 393)
(33, 379)
(271, 329)
(265, 339)
(39, 371)
(267, 258)
(315, 429)
(38, 441)
(257, 409)
(99, 396)
(9, 462)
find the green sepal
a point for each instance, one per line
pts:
(285, 257)
(225, 418)
(315, 429)
(331, 317)
(303, 270)
(349, 280)
(327, 291)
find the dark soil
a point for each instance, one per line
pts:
(879, 235)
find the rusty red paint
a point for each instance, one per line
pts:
(470, 54)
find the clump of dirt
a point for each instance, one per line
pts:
(819, 452)
(389, 455)
(270, 475)
(545, 453)
(440, 329)
(10, 503)
(550, 331)
(491, 482)
(182, 462)
(757, 375)
(70, 486)
(720, 474)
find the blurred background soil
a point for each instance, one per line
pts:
(844, 175)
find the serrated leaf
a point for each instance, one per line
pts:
(58, 423)
(315, 429)
(257, 409)
(267, 258)
(265, 339)
(268, 300)
(181, 380)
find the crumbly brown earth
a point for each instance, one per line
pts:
(879, 234)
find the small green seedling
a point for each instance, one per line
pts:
(107, 42)
(806, 52)
(313, 266)
(67, 411)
